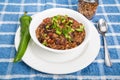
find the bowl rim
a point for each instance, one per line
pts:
(85, 41)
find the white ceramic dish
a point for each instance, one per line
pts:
(45, 61)
(38, 18)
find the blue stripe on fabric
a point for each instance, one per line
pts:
(6, 52)
(3, 68)
(99, 54)
(11, 17)
(8, 27)
(30, 1)
(109, 2)
(118, 1)
(68, 79)
(92, 69)
(49, 0)
(1, 7)
(114, 70)
(48, 6)
(7, 39)
(20, 68)
(116, 28)
(42, 8)
(75, 8)
(118, 38)
(75, 2)
(113, 53)
(99, 10)
(14, 1)
(114, 18)
(97, 17)
(58, 6)
(62, 1)
(109, 39)
(43, 78)
(30, 8)
(13, 8)
(74, 73)
(43, 1)
(109, 29)
(111, 9)
(101, 40)
(20, 79)
(2, 0)
(93, 79)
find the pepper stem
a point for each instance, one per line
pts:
(25, 12)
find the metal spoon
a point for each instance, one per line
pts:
(102, 28)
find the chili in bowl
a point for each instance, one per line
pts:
(60, 30)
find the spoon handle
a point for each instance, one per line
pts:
(107, 57)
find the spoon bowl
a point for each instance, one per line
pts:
(102, 26)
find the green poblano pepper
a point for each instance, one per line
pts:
(25, 36)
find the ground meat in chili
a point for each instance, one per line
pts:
(60, 32)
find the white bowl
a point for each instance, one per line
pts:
(38, 18)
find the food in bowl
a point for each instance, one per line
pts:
(60, 32)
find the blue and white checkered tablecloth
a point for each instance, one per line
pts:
(11, 11)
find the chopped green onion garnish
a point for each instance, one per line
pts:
(72, 30)
(57, 25)
(58, 32)
(82, 26)
(63, 20)
(44, 35)
(70, 21)
(68, 37)
(80, 29)
(54, 19)
(47, 27)
(58, 16)
(44, 43)
(64, 31)
(67, 23)
(54, 25)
